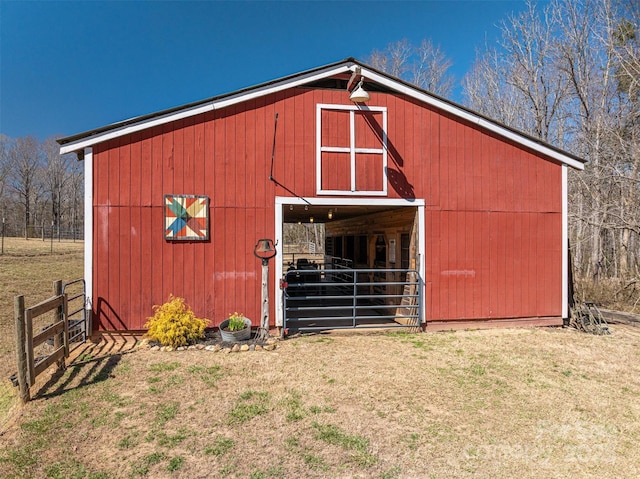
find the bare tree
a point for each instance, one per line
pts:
(76, 195)
(583, 56)
(519, 83)
(569, 73)
(26, 163)
(486, 90)
(626, 137)
(299, 234)
(394, 59)
(424, 65)
(5, 169)
(39, 187)
(599, 53)
(56, 179)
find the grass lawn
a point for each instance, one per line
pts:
(523, 403)
(495, 403)
(29, 268)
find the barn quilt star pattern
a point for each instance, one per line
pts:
(186, 217)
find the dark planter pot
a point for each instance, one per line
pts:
(235, 336)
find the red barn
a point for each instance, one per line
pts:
(433, 213)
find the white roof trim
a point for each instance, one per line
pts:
(213, 105)
(302, 79)
(128, 129)
(470, 117)
(291, 83)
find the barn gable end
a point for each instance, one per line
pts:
(491, 201)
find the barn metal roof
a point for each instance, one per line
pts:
(77, 142)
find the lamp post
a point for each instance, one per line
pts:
(264, 250)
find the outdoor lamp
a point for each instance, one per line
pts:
(359, 95)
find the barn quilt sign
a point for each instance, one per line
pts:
(186, 217)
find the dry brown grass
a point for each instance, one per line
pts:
(498, 403)
(29, 268)
(610, 293)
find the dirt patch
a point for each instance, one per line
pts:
(497, 403)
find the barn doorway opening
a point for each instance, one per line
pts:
(355, 264)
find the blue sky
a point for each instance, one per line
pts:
(69, 67)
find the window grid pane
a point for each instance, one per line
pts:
(361, 141)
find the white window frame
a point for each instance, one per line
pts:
(351, 149)
(283, 202)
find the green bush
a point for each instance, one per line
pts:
(175, 324)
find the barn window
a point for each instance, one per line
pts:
(351, 150)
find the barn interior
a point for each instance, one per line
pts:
(356, 269)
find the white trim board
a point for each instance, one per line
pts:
(470, 117)
(352, 149)
(282, 201)
(565, 245)
(88, 228)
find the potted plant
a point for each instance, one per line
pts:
(235, 328)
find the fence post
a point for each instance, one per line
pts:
(21, 353)
(58, 340)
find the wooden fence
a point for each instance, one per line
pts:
(28, 366)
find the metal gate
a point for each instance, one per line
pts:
(341, 297)
(79, 321)
(72, 324)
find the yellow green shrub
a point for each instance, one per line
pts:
(175, 324)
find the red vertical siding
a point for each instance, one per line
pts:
(371, 176)
(154, 233)
(497, 236)
(492, 219)
(110, 234)
(123, 233)
(306, 111)
(336, 171)
(433, 262)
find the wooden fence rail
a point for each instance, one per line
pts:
(26, 342)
